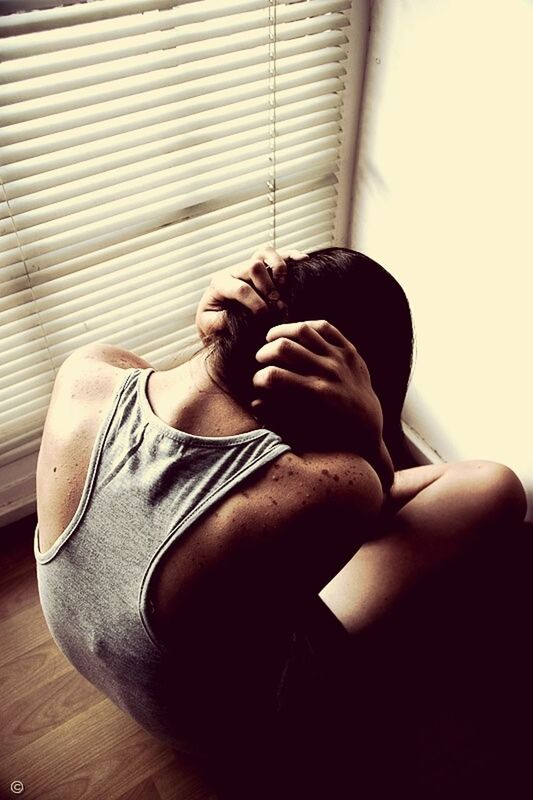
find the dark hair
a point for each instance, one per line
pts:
(362, 300)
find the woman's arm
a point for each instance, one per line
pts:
(436, 515)
(313, 374)
(310, 365)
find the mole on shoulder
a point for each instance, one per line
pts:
(55, 469)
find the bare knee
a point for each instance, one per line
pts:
(499, 490)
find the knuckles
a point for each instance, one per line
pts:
(322, 326)
(303, 329)
(266, 378)
(256, 269)
(332, 370)
(283, 347)
(351, 354)
(244, 292)
(319, 386)
(261, 253)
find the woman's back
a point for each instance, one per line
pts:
(146, 484)
(161, 624)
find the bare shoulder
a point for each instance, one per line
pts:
(86, 382)
(281, 535)
(83, 391)
(328, 481)
(294, 482)
(308, 513)
(109, 354)
(92, 372)
(318, 484)
(82, 395)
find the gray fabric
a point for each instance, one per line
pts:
(147, 484)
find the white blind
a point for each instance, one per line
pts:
(145, 144)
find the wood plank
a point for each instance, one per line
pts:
(58, 735)
(99, 754)
(33, 668)
(47, 706)
(20, 632)
(18, 591)
(143, 791)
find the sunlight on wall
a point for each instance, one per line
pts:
(444, 200)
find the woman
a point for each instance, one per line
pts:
(181, 544)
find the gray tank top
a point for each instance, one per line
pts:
(146, 485)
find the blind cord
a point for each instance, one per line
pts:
(271, 184)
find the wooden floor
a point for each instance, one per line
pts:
(458, 685)
(59, 736)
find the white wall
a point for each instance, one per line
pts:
(444, 200)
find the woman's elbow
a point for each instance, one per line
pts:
(504, 494)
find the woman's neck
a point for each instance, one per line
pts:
(190, 399)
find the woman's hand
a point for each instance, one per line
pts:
(313, 381)
(252, 284)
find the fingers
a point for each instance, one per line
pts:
(257, 273)
(266, 269)
(270, 257)
(296, 255)
(302, 332)
(291, 355)
(253, 285)
(275, 259)
(315, 334)
(273, 378)
(209, 323)
(225, 286)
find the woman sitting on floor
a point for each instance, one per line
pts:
(213, 538)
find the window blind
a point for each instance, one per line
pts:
(145, 144)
